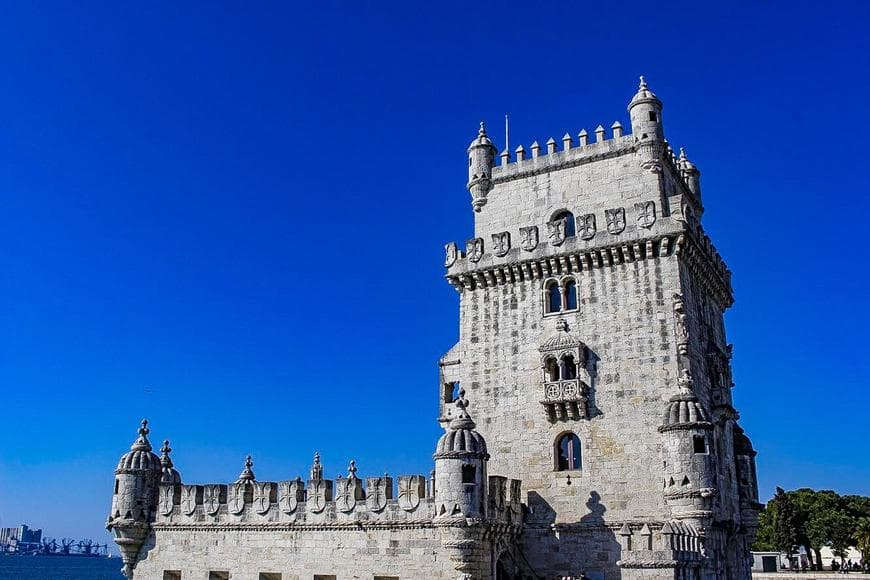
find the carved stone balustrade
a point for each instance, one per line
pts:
(565, 399)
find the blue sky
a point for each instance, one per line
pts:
(230, 219)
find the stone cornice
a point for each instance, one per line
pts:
(667, 237)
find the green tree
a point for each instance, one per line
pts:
(764, 539)
(785, 530)
(862, 537)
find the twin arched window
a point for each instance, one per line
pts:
(564, 369)
(560, 296)
(568, 453)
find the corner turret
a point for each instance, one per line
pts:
(645, 110)
(134, 503)
(689, 478)
(481, 159)
(460, 468)
(690, 173)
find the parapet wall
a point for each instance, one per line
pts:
(344, 501)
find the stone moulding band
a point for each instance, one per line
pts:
(716, 279)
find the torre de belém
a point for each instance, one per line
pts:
(588, 422)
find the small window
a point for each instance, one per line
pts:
(568, 449)
(569, 368)
(386, 578)
(451, 392)
(554, 297)
(571, 295)
(653, 117)
(469, 473)
(551, 368)
(700, 444)
(325, 577)
(270, 576)
(172, 575)
(218, 575)
(117, 485)
(570, 226)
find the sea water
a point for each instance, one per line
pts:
(59, 568)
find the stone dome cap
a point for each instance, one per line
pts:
(684, 411)
(169, 473)
(140, 457)
(482, 139)
(461, 439)
(643, 95)
(561, 340)
(684, 162)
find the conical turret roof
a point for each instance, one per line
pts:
(140, 457)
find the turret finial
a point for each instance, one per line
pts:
(642, 85)
(316, 468)
(351, 469)
(142, 443)
(165, 460)
(482, 130)
(247, 474)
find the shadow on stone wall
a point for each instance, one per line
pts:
(565, 549)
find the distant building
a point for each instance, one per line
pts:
(593, 359)
(14, 539)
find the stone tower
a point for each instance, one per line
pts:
(591, 305)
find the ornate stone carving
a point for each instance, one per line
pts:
(529, 238)
(379, 490)
(646, 213)
(411, 489)
(236, 497)
(212, 497)
(474, 249)
(290, 493)
(557, 231)
(565, 384)
(501, 243)
(189, 495)
(586, 226)
(451, 254)
(167, 500)
(263, 492)
(319, 493)
(681, 327)
(615, 220)
(349, 490)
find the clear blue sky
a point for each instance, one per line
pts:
(230, 217)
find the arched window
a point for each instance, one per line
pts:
(551, 367)
(554, 297)
(568, 453)
(569, 369)
(571, 295)
(570, 227)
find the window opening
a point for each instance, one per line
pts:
(554, 298)
(570, 227)
(270, 576)
(213, 575)
(117, 485)
(652, 116)
(569, 369)
(172, 575)
(569, 452)
(700, 444)
(552, 369)
(571, 295)
(469, 473)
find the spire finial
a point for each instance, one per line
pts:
(247, 474)
(165, 460)
(461, 420)
(682, 154)
(351, 469)
(142, 443)
(643, 84)
(316, 468)
(482, 130)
